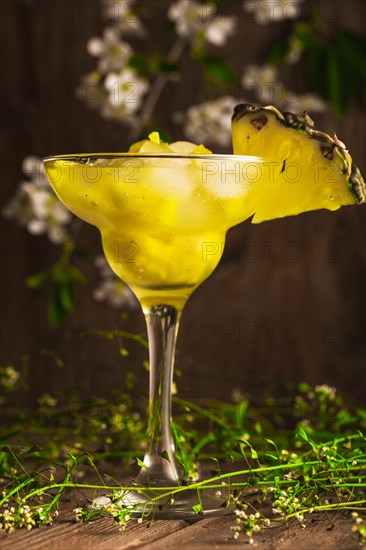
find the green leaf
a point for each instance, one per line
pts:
(140, 463)
(304, 387)
(139, 62)
(67, 296)
(65, 276)
(304, 34)
(7, 435)
(217, 470)
(258, 428)
(60, 272)
(34, 449)
(218, 69)
(198, 509)
(240, 413)
(352, 49)
(165, 455)
(279, 52)
(339, 86)
(63, 273)
(302, 434)
(76, 276)
(231, 456)
(338, 71)
(62, 303)
(345, 417)
(84, 254)
(56, 313)
(253, 454)
(168, 67)
(272, 457)
(271, 442)
(316, 63)
(253, 481)
(36, 281)
(361, 413)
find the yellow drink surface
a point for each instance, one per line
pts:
(163, 219)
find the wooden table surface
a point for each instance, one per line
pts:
(210, 533)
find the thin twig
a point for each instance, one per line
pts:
(155, 92)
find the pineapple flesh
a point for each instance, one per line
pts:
(316, 169)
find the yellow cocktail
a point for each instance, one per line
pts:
(163, 219)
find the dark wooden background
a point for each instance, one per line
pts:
(287, 303)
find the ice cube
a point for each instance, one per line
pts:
(184, 147)
(230, 178)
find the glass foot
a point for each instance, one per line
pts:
(186, 503)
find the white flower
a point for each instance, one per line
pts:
(91, 90)
(263, 81)
(196, 21)
(118, 96)
(310, 102)
(40, 202)
(8, 377)
(57, 234)
(47, 401)
(324, 389)
(115, 9)
(188, 17)
(113, 53)
(121, 11)
(237, 395)
(210, 122)
(37, 227)
(115, 293)
(264, 84)
(267, 11)
(33, 167)
(125, 91)
(219, 29)
(112, 289)
(103, 266)
(36, 207)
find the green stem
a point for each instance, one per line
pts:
(61, 489)
(117, 333)
(204, 412)
(16, 490)
(323, 507)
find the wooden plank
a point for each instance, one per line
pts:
(99, 535)
(323, 533)
(215, 533)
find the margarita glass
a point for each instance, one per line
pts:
(163, 219)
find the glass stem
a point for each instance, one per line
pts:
(160, 464)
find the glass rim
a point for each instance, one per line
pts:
(96, 156)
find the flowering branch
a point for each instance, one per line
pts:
(155, 92)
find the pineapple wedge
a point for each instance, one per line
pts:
(316, 169)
